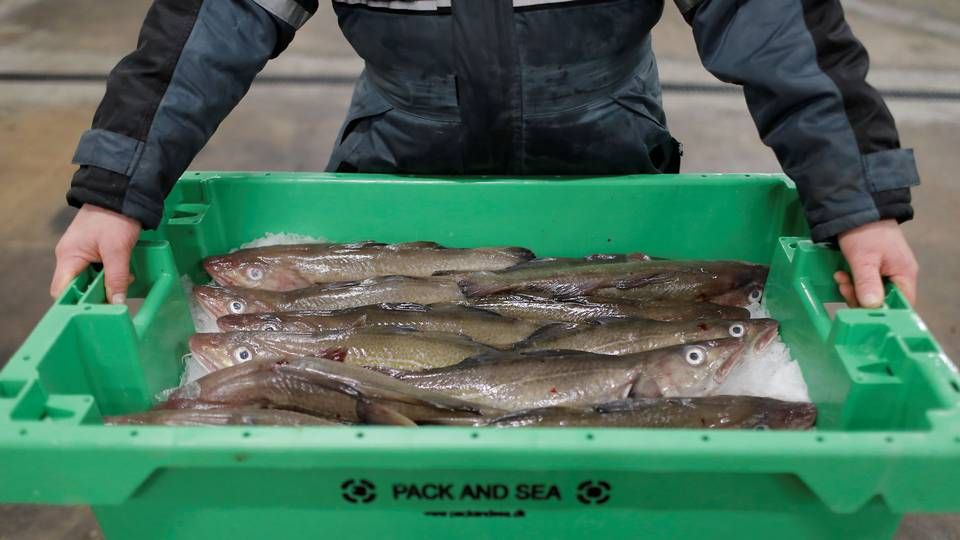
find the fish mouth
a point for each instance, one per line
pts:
(217, 267)
(197, 350)
(736, 356)
(206, 296)
(768, 333)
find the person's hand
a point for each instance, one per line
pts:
(97, 235)
(874, 251)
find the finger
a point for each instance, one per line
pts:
(867, 283)
(842, 278)
(908, 286)
(849, 295)
(845, 285)
(67, 269)
(116, 267)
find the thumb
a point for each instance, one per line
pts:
(867, 283)
(116, 267)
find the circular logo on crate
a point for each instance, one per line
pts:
(593, 492)
(358, 491)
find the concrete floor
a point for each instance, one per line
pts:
(292, 128)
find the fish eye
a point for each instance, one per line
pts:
(737, 330)
(695, 355)
(755, 294)
(255, 273)
(236, 307)
(242, 354)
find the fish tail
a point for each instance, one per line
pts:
(473, 287)
(379, 414)
(518, 252)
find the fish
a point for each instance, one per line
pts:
(295, 266)
(727, 282)
(627, 336)
(583, 309)
(267, 389)
(228, 416)
(712, 412)
(481, 325)
(393, 348)
(220, 301)
(321, 387)
(517, 380)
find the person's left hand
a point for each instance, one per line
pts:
(875, 251)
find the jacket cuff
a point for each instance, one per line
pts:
(890, 169)
(888, 175)
(107, 189)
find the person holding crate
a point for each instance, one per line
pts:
(513, 87)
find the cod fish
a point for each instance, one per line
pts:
(627, 336)
(289, 267)
(713, 412)
(324, 388)
(229, 416)
(536, 308)
(724, 282)
(516, 381)
(483, 326)
(390, 348)
(220, 301)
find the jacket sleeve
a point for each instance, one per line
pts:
(195, 60)
(804, 77)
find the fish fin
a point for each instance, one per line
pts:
(404, 306)
(337, 354)
(479, 359)
(484, 312)
(359, 322)
(606, 257)
(420, 244)
(518, 252)
(645, 280)
(638, 256)
(375, 413)
(471, 288)
(340, 284)
(360, 244)
(548, 331)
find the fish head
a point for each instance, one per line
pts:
(776, 414)
(745, 282)
(690, 370)
(220, 301)
(218, 350)
(262, 322)
(255, 269)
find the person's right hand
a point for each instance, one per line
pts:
(97, 235)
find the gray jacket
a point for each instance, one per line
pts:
(517, 87)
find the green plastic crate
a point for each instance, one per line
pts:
(887, 440)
